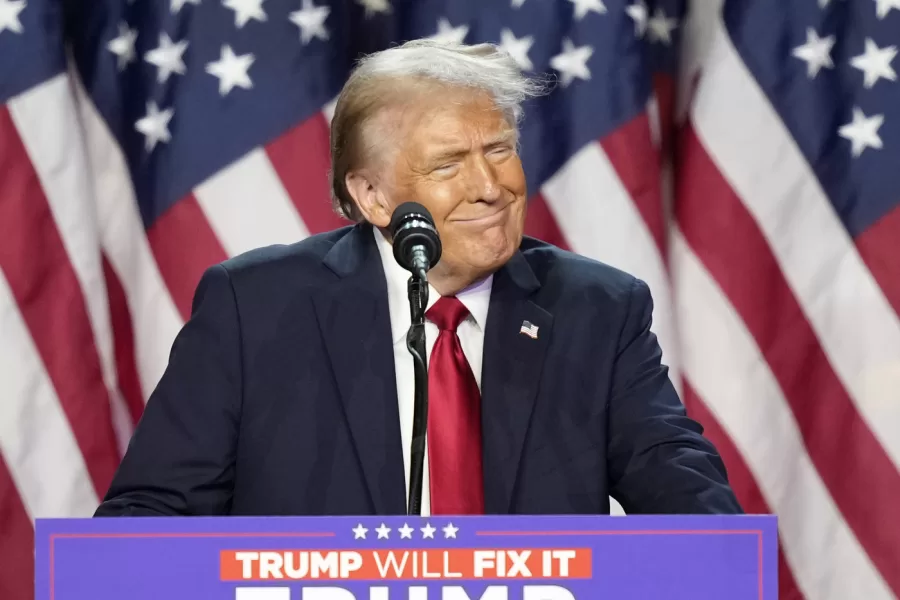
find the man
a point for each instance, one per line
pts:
(290, 390)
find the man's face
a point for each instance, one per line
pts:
(457, 157)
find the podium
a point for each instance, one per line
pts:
(407, 558)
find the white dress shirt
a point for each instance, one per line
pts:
(476, 298)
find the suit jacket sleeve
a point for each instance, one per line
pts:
(659, 460)
(180, 460)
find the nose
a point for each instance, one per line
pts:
(483, 181)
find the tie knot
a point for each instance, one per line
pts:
(447, 313)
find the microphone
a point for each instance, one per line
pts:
(417, 246)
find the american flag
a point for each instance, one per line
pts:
(742, 157)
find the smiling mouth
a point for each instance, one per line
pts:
(491, 219)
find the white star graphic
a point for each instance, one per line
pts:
(406, 532)
(883, 7)
(572, 62)
(583, 7)
(311, 21)
(155, 126)
(231, 70)
(9, 15)
(517, 3)
(862, 132)
(177, 5)
(448, 34)
(660, 27)
(123, 45)
(816, 52)
(359, 532)
(450, 531)
(638, 13)
(383, 531)
(244, 10)
(428, 531)
(167, 58)
(517, 47)
(875, 63)
(824, 3)
(375, 7)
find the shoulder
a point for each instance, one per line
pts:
(571, 276)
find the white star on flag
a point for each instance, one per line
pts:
(231, 70)
(816, 52)
(517, 3)
(660, 27)
(875, 63)
(383, 531)
(359, 532)
(450, 531)
(123, 45)
(311, 21)
(167, 58)
(374, 7)
(883, 7)
(155, 126)
(428, 531)
(177, 5)
(638, 13)
(862, 131)
(517, 47)
(9, 15)
(583, 7)
(448, 34)
(406, 531)
(244, 10)
(572, 62)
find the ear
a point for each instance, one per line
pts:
(369, 198)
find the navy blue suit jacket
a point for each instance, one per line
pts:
(280, 395)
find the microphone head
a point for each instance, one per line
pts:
(412, 225)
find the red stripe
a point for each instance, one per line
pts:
(664, 87)
(16, 542)
(184, 246)
(632, 154)
(859, 475)
(123, 341)
(49, 296)
(541, 224)
(302, 158)
(742, 481)
(878, 247)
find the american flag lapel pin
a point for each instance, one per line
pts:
(529, 329)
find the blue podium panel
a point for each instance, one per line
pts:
(407, 558)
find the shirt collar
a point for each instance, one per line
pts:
(476, 298)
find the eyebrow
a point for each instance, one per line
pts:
(452, 150)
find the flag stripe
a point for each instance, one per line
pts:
(184, 246)
(879, 246)
(541, 224)
(16, 543)
(47, 291)
(741, 479)
(725, 367)
(735, 252)
(154, 317)
(36, 437)
(601, 221)
(239, 225)
(857, 328)
(123, 339)
(302, 159)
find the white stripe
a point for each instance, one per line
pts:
(599, 220)
(36, 440)
(247, 206)
(43, 117)
(154, 318)
(724, 365)
(855, 324)
(328, 110)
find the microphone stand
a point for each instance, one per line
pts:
(417, 289)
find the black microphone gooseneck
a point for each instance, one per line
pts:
(417, 248)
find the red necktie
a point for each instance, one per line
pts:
(454, 418)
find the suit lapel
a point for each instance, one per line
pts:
(510, 376)
(354, 319)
